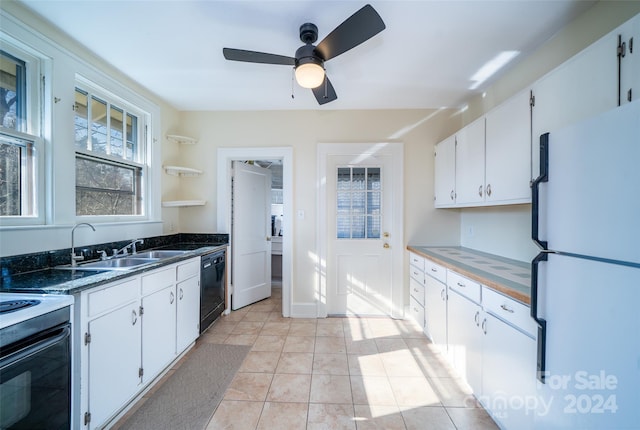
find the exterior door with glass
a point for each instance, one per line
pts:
(360, 231)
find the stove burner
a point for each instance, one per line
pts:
(15, 305)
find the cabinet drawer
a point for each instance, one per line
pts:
(188, 269)
(416, 261)
(508, 310)
(435, 270)
(416, 311)
(416, 274)
(112, 297)
(157, 280)
(416, 291)
(468, 288)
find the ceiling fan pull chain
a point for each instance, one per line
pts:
(293, 75)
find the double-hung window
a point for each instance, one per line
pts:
(110, 155)
(20, 143)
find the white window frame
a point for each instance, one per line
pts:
(36, 114)
(144, 156)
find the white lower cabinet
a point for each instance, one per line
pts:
(129, 331)
(465, 339)
(435, 296)
(158, 331)
(113, 362)
(508, 374)
(188, 315)
(489, 339)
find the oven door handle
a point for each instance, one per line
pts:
(51, 338)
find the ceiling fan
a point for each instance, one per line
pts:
(309, 59)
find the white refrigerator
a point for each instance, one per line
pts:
(586, 280)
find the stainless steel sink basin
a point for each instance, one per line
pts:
(159, 254)
(126, 263)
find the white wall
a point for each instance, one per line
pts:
(66, 59)
(302, 131)
(506, 231)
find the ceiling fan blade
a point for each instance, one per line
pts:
(359, 27)
(257, 57)
(325, 92)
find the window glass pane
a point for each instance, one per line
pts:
(344, 178)
(105, 189)
(373, 227)
(358, 182)
(81, 120)
(373, 178)
(116, 132)
(12, 92)
(357, 227)
(98, 126)
(344, 227)
(132, 137)
(10, 160)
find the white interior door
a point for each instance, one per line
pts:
(359, 232)
(251, 234)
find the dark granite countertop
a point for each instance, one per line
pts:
(52, 280)
(507, 276)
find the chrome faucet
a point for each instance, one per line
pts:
(75, 258)
(131, 245)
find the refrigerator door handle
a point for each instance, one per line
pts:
(535, 191)
(542, 324)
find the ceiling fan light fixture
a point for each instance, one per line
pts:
(309, 75)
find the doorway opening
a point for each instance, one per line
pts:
(279, 161)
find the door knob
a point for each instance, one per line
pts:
(386, 245)
(385, 234)
(268, 238)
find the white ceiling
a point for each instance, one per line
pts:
(425, 58)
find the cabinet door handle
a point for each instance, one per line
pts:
(416, 290)
(134, 317)
(172, 297)
(480, 190)
(476, 318)
(442, 295)
(434, 270)
(461, 285)
(451, 194)
(181, 293)
(505, 308)
(484, 326)
(489, 190)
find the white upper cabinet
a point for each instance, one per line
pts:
(497, 170)
(470, 164)
(583, 86)
(508, 152)
(628, 42)
(445, 173)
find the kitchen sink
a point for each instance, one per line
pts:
(126, 263)
(159, 254)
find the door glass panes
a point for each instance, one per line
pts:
(359, 195)
(12, 92)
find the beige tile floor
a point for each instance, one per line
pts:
(338, 373)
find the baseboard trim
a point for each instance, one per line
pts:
(304, 310)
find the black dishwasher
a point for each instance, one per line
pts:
(212, 288)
